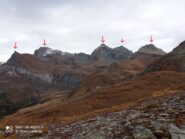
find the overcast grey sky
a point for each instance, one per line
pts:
(77, 25)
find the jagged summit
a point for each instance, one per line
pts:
(151, 49)
(122, 48)
(14, 59)
(122, 52)
(103, 45)
(105, 52)
(101, 49)
(15, 54)
(45, 51)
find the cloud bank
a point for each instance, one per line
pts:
(77, 25)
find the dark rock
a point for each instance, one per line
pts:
(67, 80)
(158, 133)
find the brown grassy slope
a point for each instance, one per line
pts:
(168, 63)
(14, 87)
(146, 59)
(110, 98)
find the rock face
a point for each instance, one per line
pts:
(151, 49)
(67, 80)
(82, 58)
(29, 66)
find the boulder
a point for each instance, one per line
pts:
(175, 132)
(141, 132)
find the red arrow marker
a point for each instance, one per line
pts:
(151, 39)
(15, 45)
(44, 42)
(122, 40)
(102, 40)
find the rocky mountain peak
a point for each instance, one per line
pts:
(45, 51)
(151, 49)
(122, 52)
(101, 52)
(107, 53)
(14, 59)
(102, 47)
(122, 49)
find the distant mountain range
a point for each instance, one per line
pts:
(49, 69)
(103, 52)
(59, 86)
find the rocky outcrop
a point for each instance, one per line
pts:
(175, 132)
(141, 132)
(47, 77)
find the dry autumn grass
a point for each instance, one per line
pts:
(107, 99)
